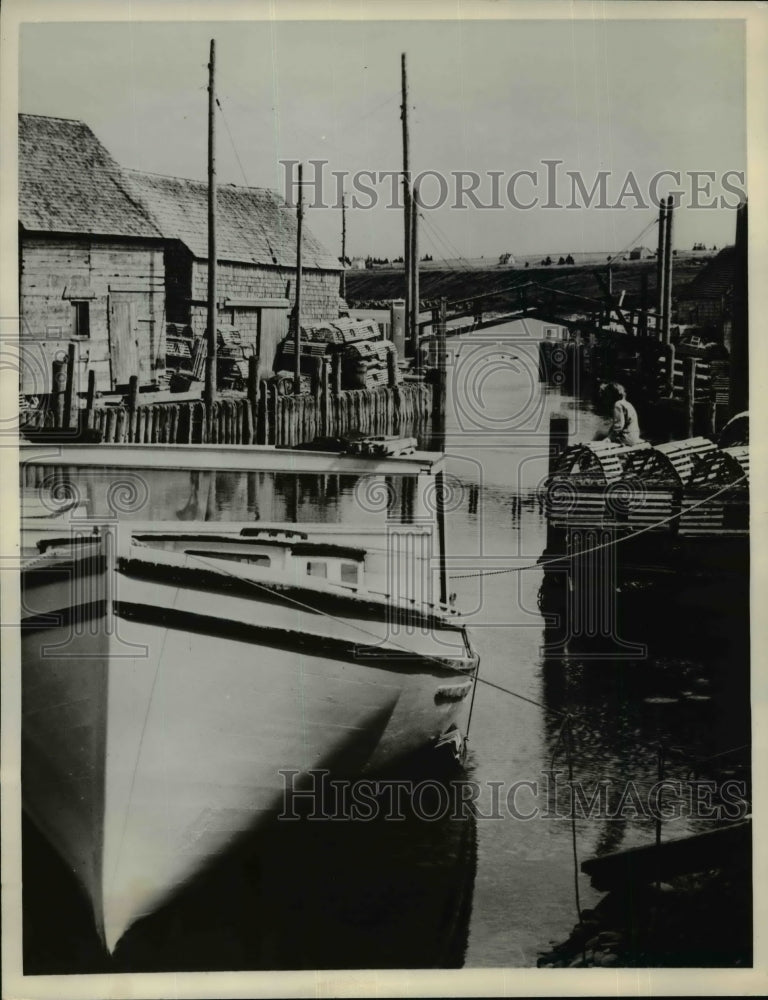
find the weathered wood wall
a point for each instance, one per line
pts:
(116, 278)
(243, 282)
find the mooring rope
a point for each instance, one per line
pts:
(603, 545)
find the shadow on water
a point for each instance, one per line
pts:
(297, 894)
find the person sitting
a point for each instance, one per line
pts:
(624, 427)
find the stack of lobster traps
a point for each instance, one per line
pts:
(362, 355)
(660, 498)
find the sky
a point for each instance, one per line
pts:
(620, 96)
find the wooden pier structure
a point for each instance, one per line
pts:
(261, 416)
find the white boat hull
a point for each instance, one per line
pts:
(154, 738)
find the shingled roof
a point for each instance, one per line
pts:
(253, 225)
(68, 183)
(715, 279)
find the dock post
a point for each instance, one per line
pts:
(558, 439)
(90, 396)
(392, 369)
(336, 373)
(440, 514)
(668, 351)
(69, 386)
(440, 387)
(133, 406)
(689, 393)
(324, 402)
(397, 326)
(90, 399)
(558, 442)
(667, 328)
(661, 273)
(317, 394)
(643, 315)
(58, 383)
(711, 425)
(262, 418)
(253, 395)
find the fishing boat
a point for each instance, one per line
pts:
(176, 680)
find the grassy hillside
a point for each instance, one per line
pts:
(382, 284)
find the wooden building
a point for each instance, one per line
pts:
(705, 302)
(108, 256)
(256, 242)
(90, 261)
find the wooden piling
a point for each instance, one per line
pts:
(668, 272)
(660, 269)
(58, 382)
(558, 439)
(133, 405)
(252, 399)
(391, 369)
(336, 373)
(689, 393)
(643, 315)
(262, 419)
(90, 401)
(441, 383)
(69, 382)
(739, 351)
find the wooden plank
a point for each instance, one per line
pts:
(123, 339)
(257, 303)
(641, 865)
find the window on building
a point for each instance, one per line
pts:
(81, 318)
(315, 568)
(349, 573)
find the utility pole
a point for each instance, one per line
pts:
(415, 271)
(660, 269)
(406, 201)
(297, 308)
(739, 348)
(668, 272)
(210, 360)
(343, 246)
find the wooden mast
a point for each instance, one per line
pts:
(406, 201)
(415, 271)
(210, 361)
(668, 272)
(297, 310)
(343, 246)
(660, 269)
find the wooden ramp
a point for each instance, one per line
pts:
(731, 845)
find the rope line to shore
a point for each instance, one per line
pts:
(603, 545)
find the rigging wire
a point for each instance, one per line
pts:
(257, 215)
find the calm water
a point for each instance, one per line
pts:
(522, 871)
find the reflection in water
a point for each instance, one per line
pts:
(298, 895)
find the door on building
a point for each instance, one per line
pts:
(273, 327)
(129, 342)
